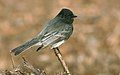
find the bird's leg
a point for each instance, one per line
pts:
(59, 56)
(39, 48)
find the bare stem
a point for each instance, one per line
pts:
(59, 56)
(12, 60)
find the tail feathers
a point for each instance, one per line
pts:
(23, 47)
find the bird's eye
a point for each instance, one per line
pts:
(70, 15)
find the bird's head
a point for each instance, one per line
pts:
(66, 14)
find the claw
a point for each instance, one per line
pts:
(39, 48)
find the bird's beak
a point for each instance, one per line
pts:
(74, 16)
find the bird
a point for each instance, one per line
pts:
(54, 33)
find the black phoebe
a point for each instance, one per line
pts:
(55, 32)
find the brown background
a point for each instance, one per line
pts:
(93, 49)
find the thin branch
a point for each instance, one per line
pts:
(12, 60)
(36, 71)
(59, 56)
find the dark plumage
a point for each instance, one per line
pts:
(54, 33)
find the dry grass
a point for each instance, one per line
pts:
(24, 68)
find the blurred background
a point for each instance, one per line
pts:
(93, 49)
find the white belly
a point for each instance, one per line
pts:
(57, 44)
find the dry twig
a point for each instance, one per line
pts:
(35, 71)
(59, 56)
